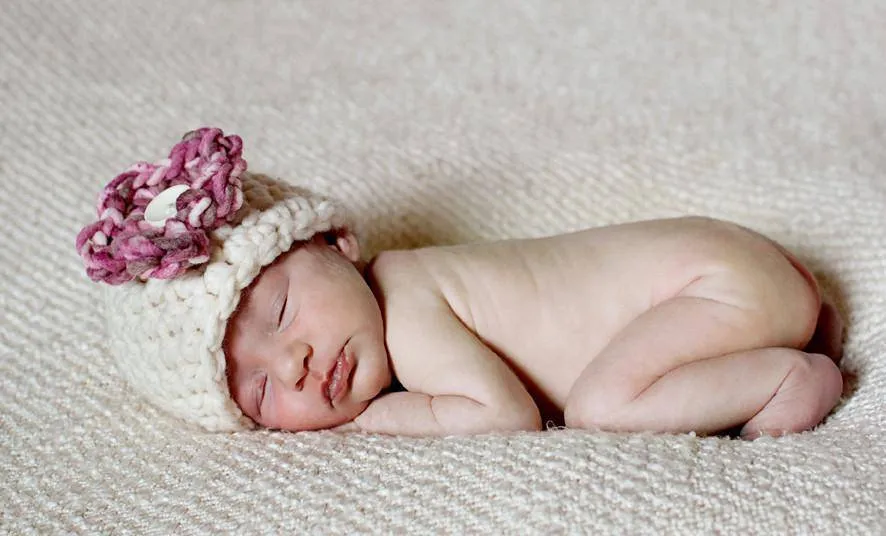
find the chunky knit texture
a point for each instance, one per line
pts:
(166, 335)
(440, 122)
(123, 244)
(175, 283)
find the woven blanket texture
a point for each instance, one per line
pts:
(439, 123)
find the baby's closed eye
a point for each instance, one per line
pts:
(280, 305)
(262, 393)
(282, 312)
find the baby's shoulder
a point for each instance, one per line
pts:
(399, 273)
(404, 286)
(416, 309)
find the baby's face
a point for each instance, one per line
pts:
(306, 350)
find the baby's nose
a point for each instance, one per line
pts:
(294, 364)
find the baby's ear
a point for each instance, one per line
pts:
(346, 243)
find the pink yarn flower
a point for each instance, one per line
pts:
(122, 245)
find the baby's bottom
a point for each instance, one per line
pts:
(697, 363)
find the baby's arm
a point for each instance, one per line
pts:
(455, 383)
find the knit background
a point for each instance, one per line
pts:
(438, 123)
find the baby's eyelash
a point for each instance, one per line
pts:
(282, 311)
(260, 394)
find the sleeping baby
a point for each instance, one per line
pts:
(236, 300)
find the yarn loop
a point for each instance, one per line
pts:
(121, 245)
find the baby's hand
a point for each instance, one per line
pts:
(419, 414)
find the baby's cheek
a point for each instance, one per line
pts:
(237, 396)
(293, 414)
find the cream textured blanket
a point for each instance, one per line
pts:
(438, 123)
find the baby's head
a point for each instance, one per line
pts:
(305, 349)
(234, 299)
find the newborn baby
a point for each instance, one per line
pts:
(233, 299)
(676, 325)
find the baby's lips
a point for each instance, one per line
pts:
(339, 376)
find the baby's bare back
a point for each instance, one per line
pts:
(548, 306)
(680, 311)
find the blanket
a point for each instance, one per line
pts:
(441, 123)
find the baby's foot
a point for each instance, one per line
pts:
(805, 396)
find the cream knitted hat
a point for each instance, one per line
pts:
(178, 241)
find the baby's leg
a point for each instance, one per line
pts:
(696, 362)
(772, 390)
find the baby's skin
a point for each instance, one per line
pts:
(676, 325)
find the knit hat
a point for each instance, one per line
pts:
(177, 241)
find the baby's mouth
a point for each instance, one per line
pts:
(338, 379)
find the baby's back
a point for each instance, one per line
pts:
(547, 306)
